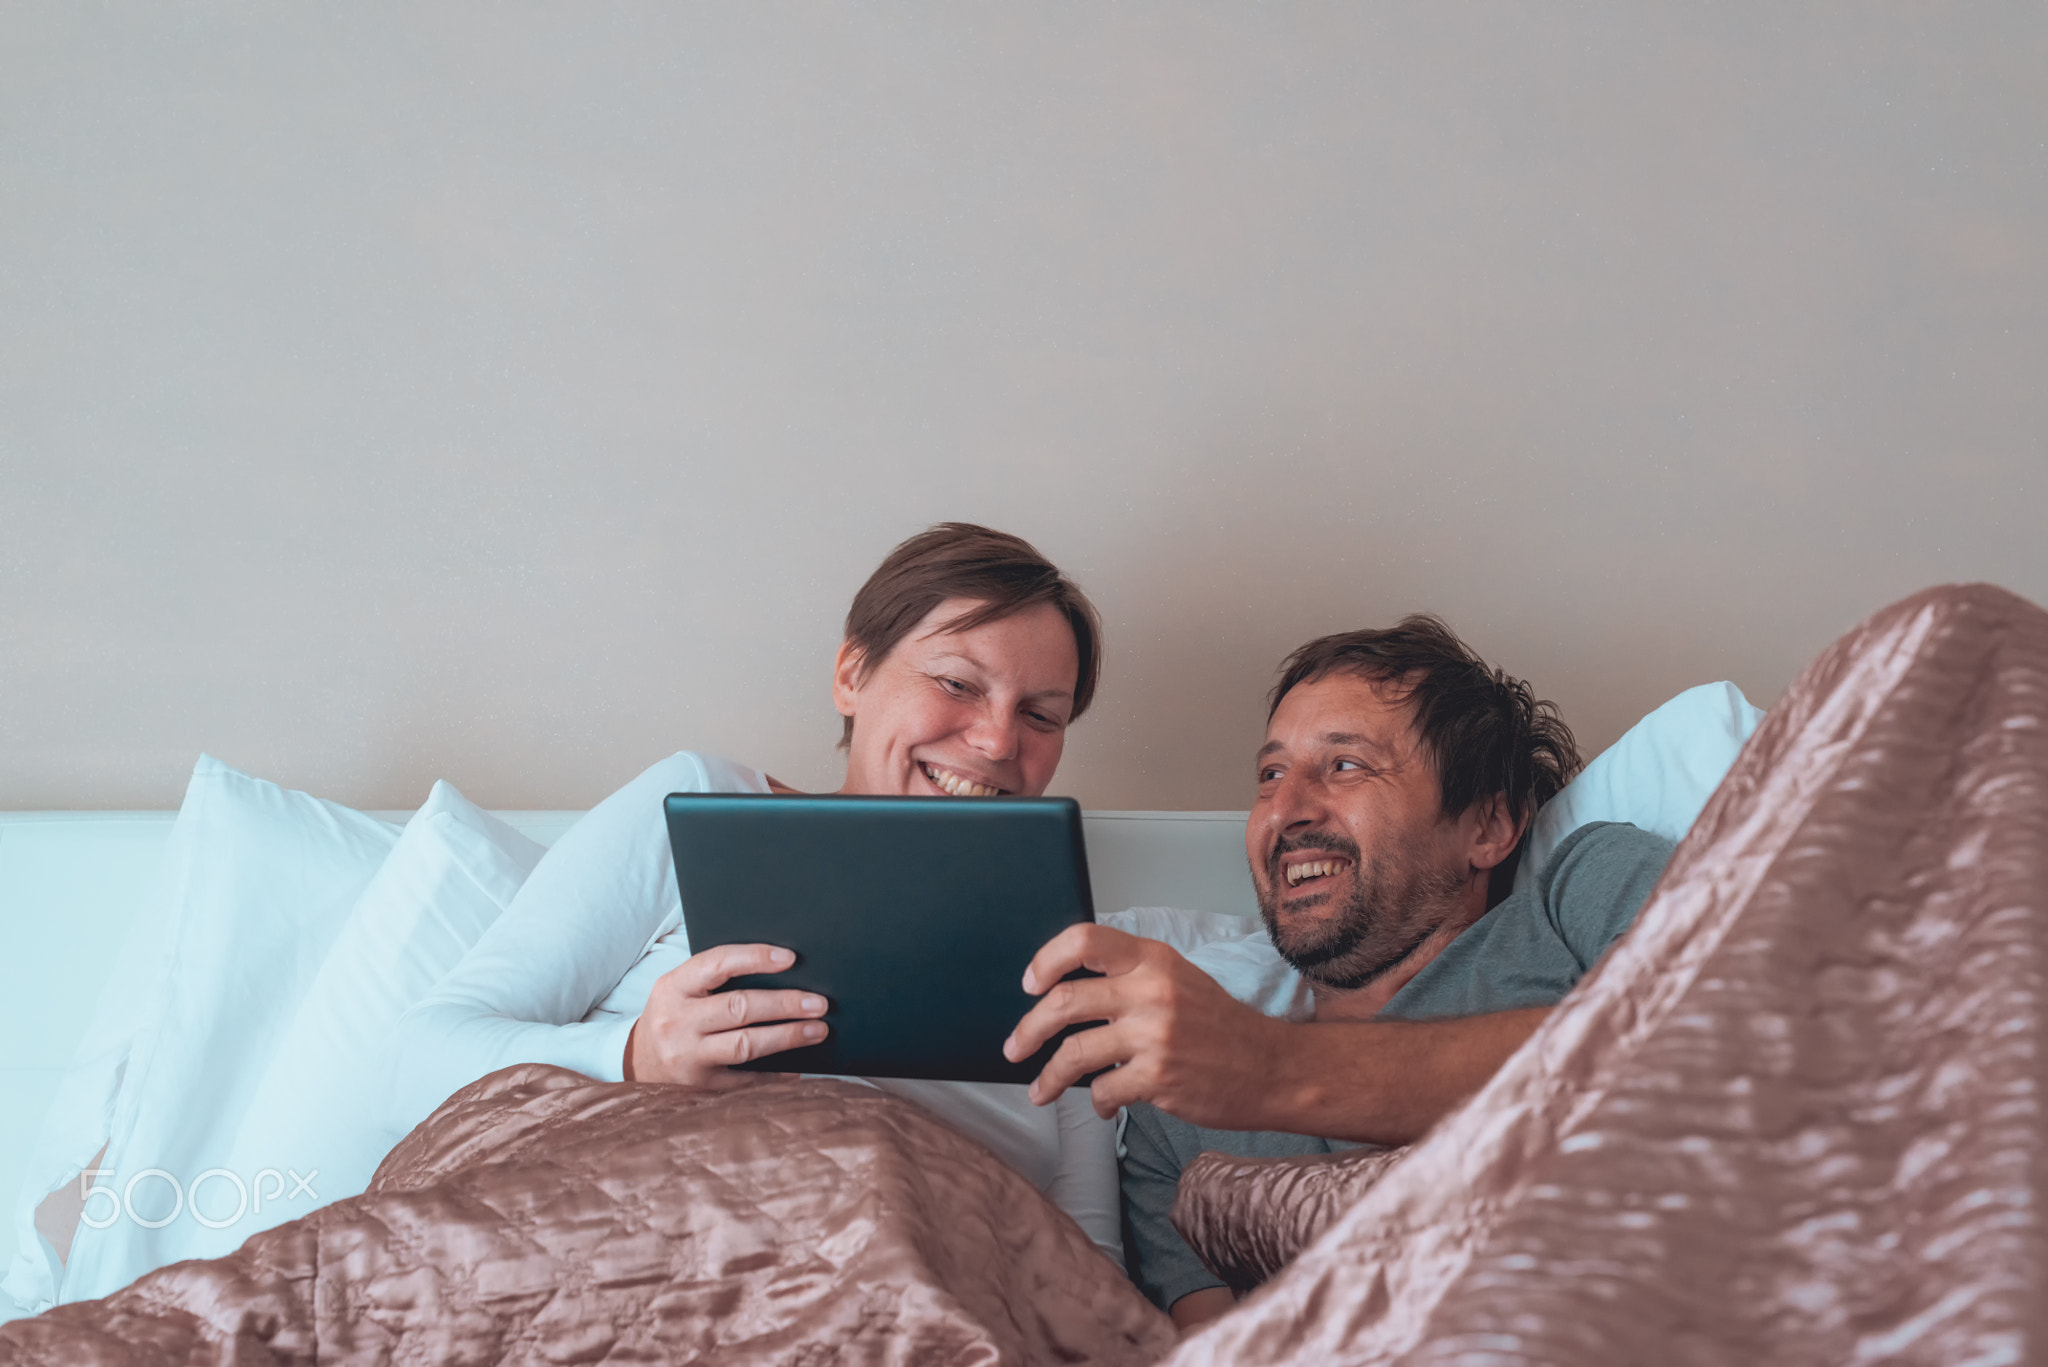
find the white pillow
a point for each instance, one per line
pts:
(255, 883)
(318, 1115)
(1658, 776)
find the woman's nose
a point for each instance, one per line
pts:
(994, 735)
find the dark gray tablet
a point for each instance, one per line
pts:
(914, 917)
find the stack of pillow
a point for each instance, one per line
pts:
(232, 1078)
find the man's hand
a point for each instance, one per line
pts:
(1172, 1037)
(691, 1033)
(1169, 1035)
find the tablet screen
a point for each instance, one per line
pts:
(913, 917)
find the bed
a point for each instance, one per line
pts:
(72, 883)
(1793, 1116)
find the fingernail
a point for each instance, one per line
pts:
(813, 1004)
(814, 1030)
(1030, 982)
(1010, 1047)
(782, 957)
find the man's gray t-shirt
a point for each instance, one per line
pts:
(1527, 951)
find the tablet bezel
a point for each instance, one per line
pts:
(914, 917)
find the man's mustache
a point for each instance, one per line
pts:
(1340, 845)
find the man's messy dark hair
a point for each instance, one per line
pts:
(1485, 730)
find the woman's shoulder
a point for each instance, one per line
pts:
(698, 771)
(638, 804)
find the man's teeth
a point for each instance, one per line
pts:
(1297, 872)
(956, 785)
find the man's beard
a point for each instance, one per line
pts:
(1390, 910)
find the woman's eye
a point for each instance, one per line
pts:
(955, 687)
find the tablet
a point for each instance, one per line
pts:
(914, 917)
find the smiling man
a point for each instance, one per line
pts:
(1397, 779)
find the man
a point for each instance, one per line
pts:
(1398, 777)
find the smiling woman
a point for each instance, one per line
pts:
(967, 654)
(974, 711)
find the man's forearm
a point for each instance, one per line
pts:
(1385, 1082)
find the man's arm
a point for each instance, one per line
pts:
(1157, 1257)
(1173, 1038)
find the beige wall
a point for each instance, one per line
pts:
(517, 394)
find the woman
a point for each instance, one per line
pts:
(967, 654)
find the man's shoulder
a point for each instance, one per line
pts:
(1601, 858)
(1596, 881)
(1535, 945)
(1606, 840)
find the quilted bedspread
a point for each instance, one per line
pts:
(538, 1216)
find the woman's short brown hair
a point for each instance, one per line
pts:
(1005, 574)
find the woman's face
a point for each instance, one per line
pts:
(970, 713)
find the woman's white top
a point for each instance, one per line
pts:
(562, 975)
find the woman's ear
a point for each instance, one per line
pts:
(846, 678)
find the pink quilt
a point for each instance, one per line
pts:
(540, 1217)
(1795, 1116)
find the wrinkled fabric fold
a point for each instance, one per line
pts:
(1246, 1218)
(1795, 1114)
(538, 1216)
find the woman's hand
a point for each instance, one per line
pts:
(691, 1033)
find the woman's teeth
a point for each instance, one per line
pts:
(1321, 867)
(956, 785)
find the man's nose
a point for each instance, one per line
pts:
(1297, 801)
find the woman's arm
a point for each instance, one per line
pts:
(583, 918)
(1085, 1184)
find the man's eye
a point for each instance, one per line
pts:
(1268, 775)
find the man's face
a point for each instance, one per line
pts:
(1354, 863)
